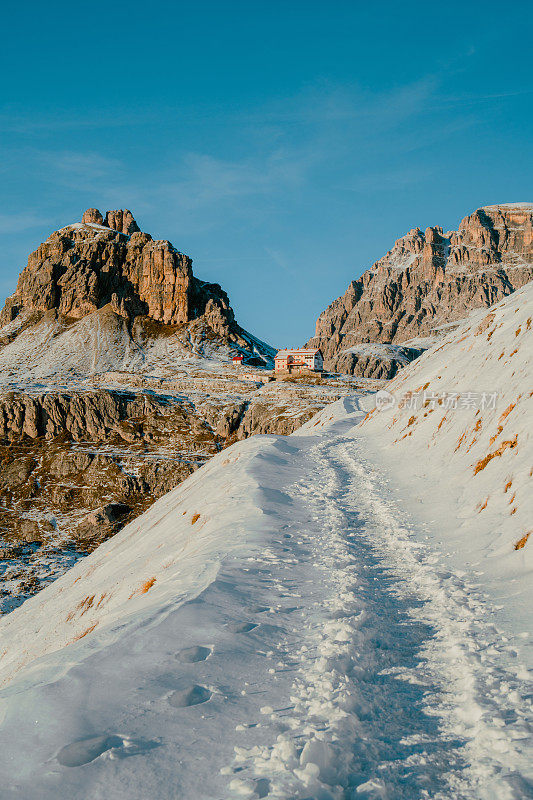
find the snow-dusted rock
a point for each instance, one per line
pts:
(428, 279)
(87, 266)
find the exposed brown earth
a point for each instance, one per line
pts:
(77, 465)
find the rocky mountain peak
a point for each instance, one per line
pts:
(92, 217)
(428, 279)
(121, 220)
(101, 261)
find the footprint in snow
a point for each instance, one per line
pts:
(191, 696)
(252, 788)
(242, 627)
(191, 655)
(76, 754)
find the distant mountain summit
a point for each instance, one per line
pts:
(136, 286)
(427, 280)
(116, 382)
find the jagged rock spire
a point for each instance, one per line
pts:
(92, 216)
(78, 270)
(429, 279)
(121, 220)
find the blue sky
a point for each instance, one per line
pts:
(284, 146)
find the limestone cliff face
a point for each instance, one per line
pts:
(122, 221)
(75, 466)
(88, 265)
(429, 279)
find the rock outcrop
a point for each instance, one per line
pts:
(75, 466)
(428, 279)
(92, 217)
(114, 417)
(88, 265)
(375, 360)
(64, 453)
(121, 220)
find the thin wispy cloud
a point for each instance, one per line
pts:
(16, 120)
(71, 167)
(389, 180)
(206, 180)
(477, 99)
(17, 223)
(327, 102)
(281, 260)
(311, 168)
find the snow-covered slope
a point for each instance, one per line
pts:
(297, 621)
(49, 349)
(99, 342)
(140, 569)
(456, 426)
(274, 627)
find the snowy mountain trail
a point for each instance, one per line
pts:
(402, 689)
(304, 644)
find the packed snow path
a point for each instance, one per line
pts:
(335, 659)
(400, 688)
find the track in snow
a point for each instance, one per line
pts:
(402, 687)
(332, 659)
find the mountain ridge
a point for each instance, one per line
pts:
(109, 262)
(428, 279)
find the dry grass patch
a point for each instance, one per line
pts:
(145, 587)
(484, 324)
(441, 423)
(509, 444)
(522, 542)
(83, 606)
(85, 632)
(493, 438)
(460, 441)
(368, 415)
(508, 410)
